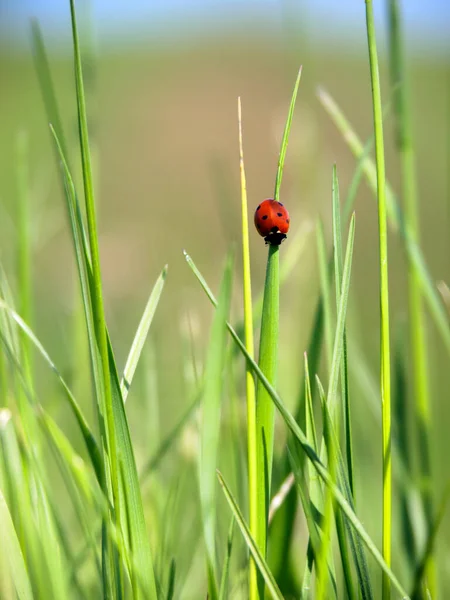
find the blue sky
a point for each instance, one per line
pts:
(427, 22)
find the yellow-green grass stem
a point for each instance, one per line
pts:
(249, 380)
(384, 298)
(405, 146)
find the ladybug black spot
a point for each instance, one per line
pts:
(259, 207)
(280, 214)
(265, 217)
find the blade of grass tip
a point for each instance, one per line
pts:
(13, 553)
(141, 334)
(337, 237)
(298, 433)
(210, 428)
(396, 220)
(384, 298)
(24, 245)
(405, 148)
(46, 83)
(223, 592)
(285, 140)
(325, 292)
(252, 450)
(251, 543)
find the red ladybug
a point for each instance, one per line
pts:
(272, 221)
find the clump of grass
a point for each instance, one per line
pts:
(109, 550)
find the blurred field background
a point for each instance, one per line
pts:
(162, 99)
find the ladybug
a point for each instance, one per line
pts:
(272, 221)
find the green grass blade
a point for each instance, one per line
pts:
(141, 334)
(384, 297)
(210, 428)
(405, 147)
(265, 412)
(301, 437)
(12, 551)
(284, 141)
(251, 543)
(96, 287)
(337, 237)
(252, 448)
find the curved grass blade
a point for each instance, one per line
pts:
(302, 439)
(251, 543)
(141, 334)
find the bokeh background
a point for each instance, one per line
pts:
(162, 81)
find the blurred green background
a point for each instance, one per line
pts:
(162, 94)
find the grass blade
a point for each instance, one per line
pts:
(384, 297)
(284, 141)
(141, 334)
(252, 447)
(251, 543)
